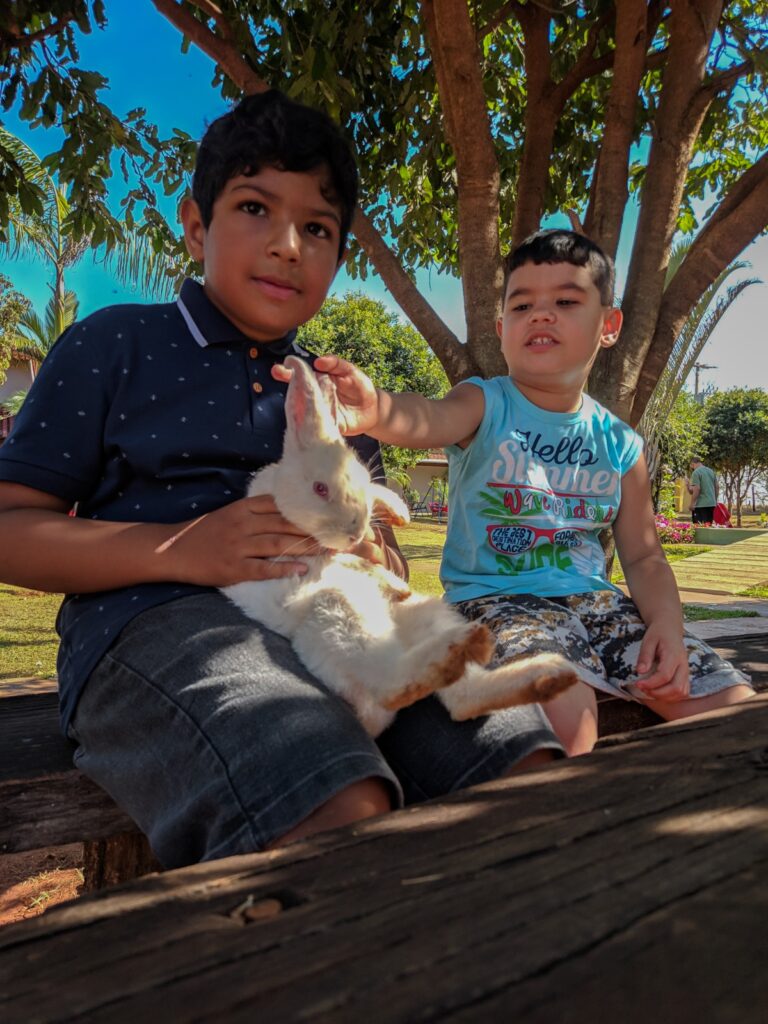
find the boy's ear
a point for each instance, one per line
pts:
(194, 229)
(499, 326)
(611, 328)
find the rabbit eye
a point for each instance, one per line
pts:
(320, 488)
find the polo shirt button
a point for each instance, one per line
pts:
(257, 388)
(254, 353)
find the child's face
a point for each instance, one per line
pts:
(271, 250)
(553, 324)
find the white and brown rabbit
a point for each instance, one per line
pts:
(356, 626)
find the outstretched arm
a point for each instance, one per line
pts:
(405, 419)
(653, 589)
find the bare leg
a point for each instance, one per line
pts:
(672, 711)
(367, 798)
(534, 760)
(573, 716)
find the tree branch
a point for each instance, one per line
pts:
(498, 19)
(582, 68)
(452, 354)
(616, 373)
(456, 61)
(609, 195)
(542, 110)
(741, 215)
(212, 11)
(24, 41)
(218, 49)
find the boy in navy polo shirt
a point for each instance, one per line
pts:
(201, 724)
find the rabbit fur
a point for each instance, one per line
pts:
(355, 625)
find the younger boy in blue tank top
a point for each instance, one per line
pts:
(537, 468)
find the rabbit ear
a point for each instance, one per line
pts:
(328, 389)
(388, 507)
(307, 414)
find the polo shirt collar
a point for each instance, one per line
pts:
(209, 326)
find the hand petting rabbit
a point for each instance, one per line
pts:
(355, 625)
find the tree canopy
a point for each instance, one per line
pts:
(392, 353)
(13, 306)
(473, 120)
(736, 438)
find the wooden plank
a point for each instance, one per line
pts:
(44, 800)
(64, 807)
(511, 900)
(32, 741)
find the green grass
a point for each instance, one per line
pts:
(761, 591)
(422, 544)
(28, 640)
(674, 553)
(694, 613)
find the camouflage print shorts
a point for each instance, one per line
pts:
(600, 632)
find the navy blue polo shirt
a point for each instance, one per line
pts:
(155, 413)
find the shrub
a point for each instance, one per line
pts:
(672, 531)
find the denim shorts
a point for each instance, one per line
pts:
(207, 730)
(599, 633)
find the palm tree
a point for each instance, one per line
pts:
(696, 332)
(35, 336)
(43, 232)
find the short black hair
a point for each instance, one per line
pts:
(269, 130)
(558, 245)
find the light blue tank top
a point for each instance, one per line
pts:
(529, 495)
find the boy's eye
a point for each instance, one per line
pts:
(521, 307)
(567, 302)
(252, 206)
(318, 230)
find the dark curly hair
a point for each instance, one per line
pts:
(270, 130)
(559, 245)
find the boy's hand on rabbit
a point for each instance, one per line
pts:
(236, 543)
(372, 548)
(357, 401)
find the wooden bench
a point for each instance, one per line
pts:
(625, 885)
(45, 801)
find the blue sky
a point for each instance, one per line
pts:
(140, 55)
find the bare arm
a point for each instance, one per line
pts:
(414, 421)
(406, 419)
(653, 589)
(44, 548)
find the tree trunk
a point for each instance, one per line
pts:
(540, 122)
(605, 215)
(742, 213)
(119, 859)
(456, 61)
(617, 370)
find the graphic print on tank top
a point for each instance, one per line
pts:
(546, 500)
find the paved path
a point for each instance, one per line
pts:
(727, 569)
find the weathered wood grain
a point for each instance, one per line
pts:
(44, 800)
(631, 882)
(32, 739)
(65, 807)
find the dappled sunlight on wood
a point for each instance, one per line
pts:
(713, 823)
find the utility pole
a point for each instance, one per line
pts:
(697, 368)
